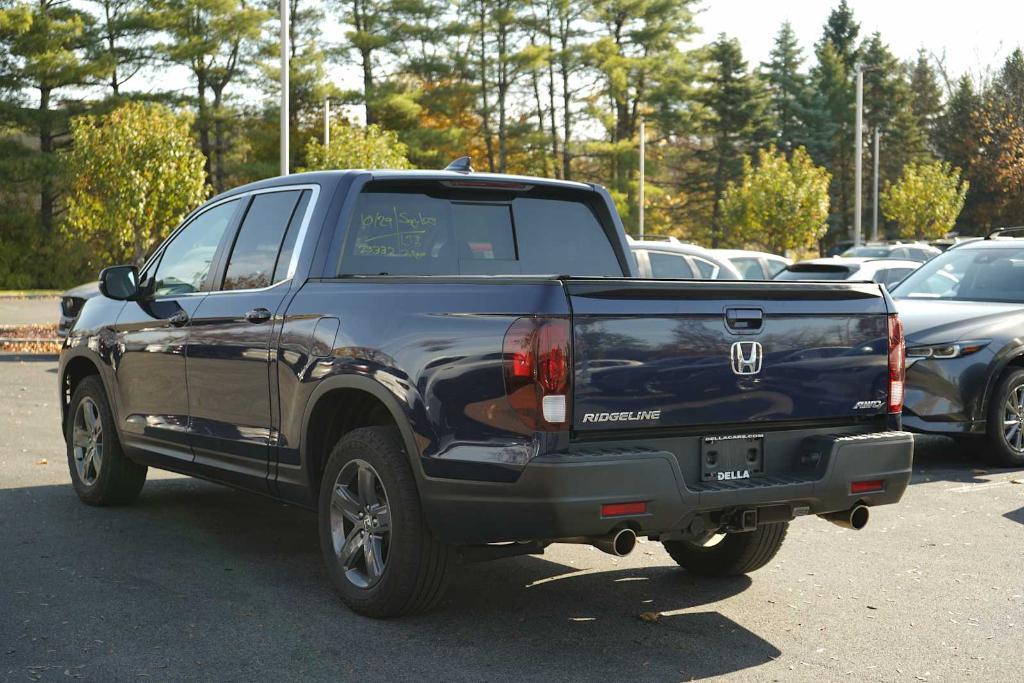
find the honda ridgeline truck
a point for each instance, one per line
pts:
(451, 367)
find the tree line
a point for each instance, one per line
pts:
(545, 87)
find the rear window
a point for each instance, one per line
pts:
(402, 232)
(823, 272)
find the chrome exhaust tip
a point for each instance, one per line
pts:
(619, 543)
(855, 518)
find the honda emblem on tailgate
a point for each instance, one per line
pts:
(746, 357)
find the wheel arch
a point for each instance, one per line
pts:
(73, 370)
(1011, 358)
(340, 404)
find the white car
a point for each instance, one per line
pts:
(883, 271)
(754, 265)
(668, 258)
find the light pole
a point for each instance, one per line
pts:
(327, 122)
(874, 194)
(641, 197)
(284, 86)
(858, 145)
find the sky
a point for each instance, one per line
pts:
(973, 36)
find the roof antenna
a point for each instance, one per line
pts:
(460, 165)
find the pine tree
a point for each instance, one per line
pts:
(639, 64)
(216, 40)
(888, 106)
(926, 102)
(841, 33)
(46, 47)
(124, 28)
(831, 118)
(788, 87)
(736, 102)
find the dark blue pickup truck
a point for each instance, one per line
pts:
(452, 367)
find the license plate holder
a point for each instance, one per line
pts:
(731, 457)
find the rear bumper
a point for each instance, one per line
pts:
(560, 496)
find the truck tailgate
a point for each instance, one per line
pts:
(689, 354)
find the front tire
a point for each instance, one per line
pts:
(1005, 431)
(382, 559)
(100, 471)
(733, 555)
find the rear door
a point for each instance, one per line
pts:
(229, 351)
(711, 355)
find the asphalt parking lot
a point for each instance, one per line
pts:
(198, 581)
(34, 310)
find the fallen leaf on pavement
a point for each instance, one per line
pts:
(650, 617)
(44, 461)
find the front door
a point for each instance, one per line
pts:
(230, 347)
(151, 336)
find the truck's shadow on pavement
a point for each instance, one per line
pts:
(200, 581)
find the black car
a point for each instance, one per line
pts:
(963, 313)
(71, 303)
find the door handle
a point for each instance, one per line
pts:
(744, 320)
(179, 319)
(258, 315)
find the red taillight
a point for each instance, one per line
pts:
(897, 364)
(866, 486)
(536, 357)
(620, 509)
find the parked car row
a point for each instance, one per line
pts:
(669, 258)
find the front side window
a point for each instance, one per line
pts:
(186, 260)
(254, 255)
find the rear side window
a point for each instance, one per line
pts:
(775, 267)
(671, 266)
(254, 255)
(749, 267)
(708, 270)
(458, 233)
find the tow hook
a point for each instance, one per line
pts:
(742, 520)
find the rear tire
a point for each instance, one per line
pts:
(1005, 430)
(735, 554)
(100, 471)
(382, 559)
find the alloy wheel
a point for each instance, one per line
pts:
(360, 523)
(87, 440)
(1013, 419)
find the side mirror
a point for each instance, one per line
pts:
(120, 283)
